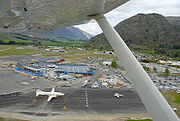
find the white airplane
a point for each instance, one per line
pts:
(118, 95)
(51, 94)
(22, 15)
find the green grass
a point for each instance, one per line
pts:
(176, 96)
(142, 49)
(17, 51)
(173, 99)
(77, 52)
(141, 120)
(2, 47)
(103, 56)
(172, 96)
(3, 119)
(168, 75)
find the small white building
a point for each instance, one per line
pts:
(47, 50)
(162, 62)
(104, 84)
(173, 63)
(107, 63)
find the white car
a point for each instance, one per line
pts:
(95, 86)
(174, 109)
(118, 95)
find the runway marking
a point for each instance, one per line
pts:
(64, 108)
(86, 98)
(65, 100)
(25, 73)
(35, 102)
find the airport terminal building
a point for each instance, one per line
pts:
(44, 67)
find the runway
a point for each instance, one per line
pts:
(77, 100)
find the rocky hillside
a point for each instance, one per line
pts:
(174, 20)
(66, 32)
(149, 30)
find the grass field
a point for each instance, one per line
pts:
(15, 50)
(3, 119)
(2, 47)
(85, 56)
(6, 50)
(141, 120)
(173, 99)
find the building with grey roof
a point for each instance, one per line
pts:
(42, 66)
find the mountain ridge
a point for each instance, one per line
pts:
(151, 30)
(175, 20)
(70, 32)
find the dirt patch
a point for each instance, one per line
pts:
(76, 117)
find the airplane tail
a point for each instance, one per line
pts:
(38, 91)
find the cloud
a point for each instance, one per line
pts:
(92, 27)
(133, 7)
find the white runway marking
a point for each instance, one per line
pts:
(86, 98)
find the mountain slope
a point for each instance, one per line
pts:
(173, 20)
(25, 39)
(66, 32)
(151, 30)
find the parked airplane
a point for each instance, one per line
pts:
(50, 94)
(118, 95)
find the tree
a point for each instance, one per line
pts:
(167, 71)
(146, 68)
(176, 55)
(146, 60)
(11, 43)
(114, 64)
(101, 48)
(155, 69)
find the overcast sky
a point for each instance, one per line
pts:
(133, 7)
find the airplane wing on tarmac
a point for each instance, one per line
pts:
(50, 97)
(22, 15)
(53, 89)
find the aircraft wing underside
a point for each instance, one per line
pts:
(22, 15)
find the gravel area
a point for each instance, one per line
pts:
(77, 117)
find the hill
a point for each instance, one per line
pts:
(25, 39)
(174, 20)
(69, 36)
(152, 31)
(65, 32)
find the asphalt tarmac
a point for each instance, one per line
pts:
(11, 82)
(77, 100)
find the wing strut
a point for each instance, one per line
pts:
(154, 102)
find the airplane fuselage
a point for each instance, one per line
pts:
(52, 93)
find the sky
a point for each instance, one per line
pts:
(133, 7)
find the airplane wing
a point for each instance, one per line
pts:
(23, 15)
(53, 89)
(50, 97)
